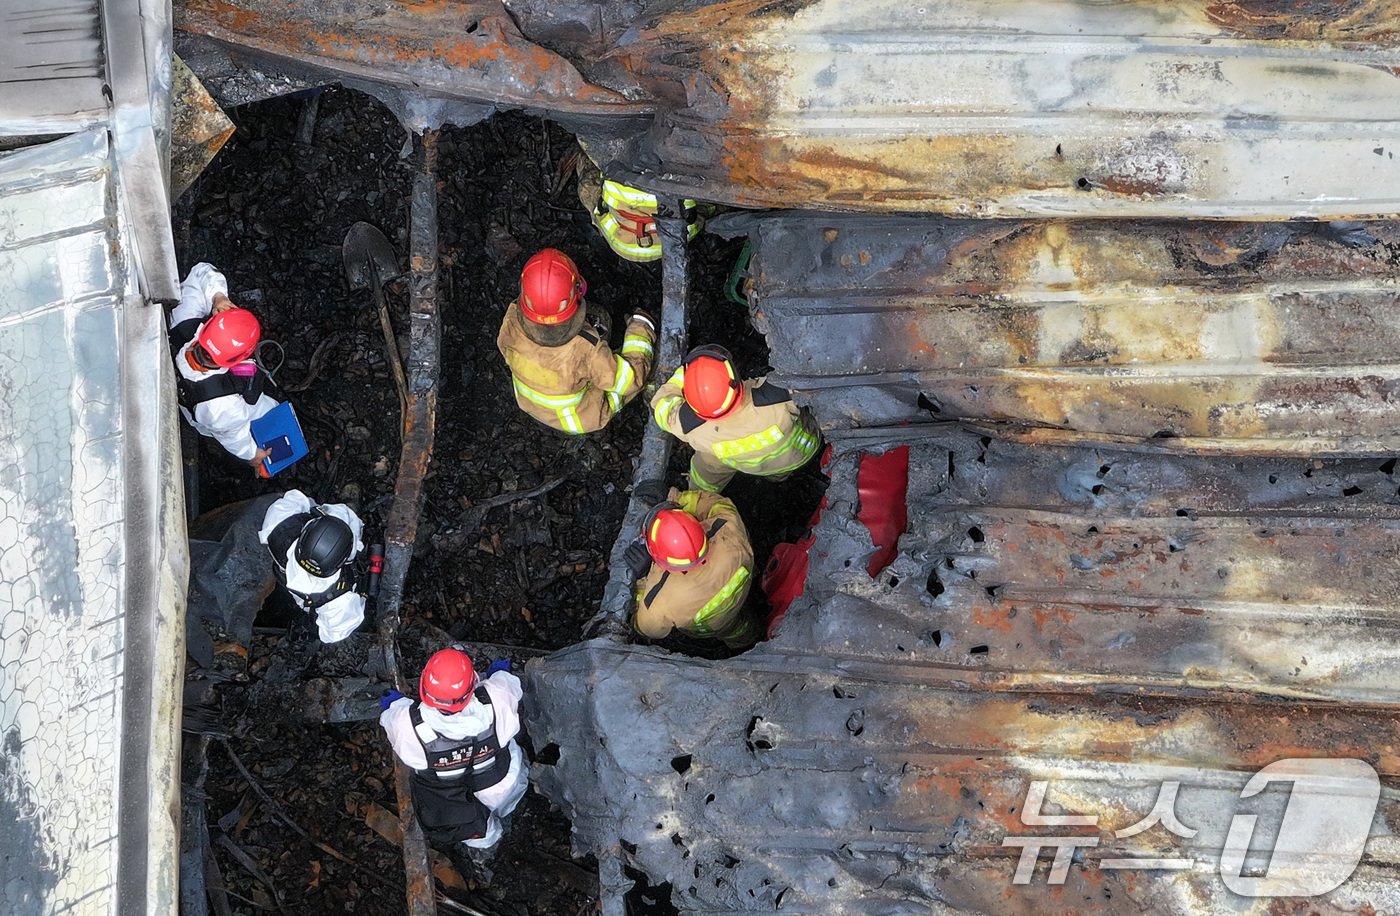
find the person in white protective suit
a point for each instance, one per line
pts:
(318, 552)
(459, 739)
(221, 390)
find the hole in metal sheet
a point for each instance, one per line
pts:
(1103, 471)
(1083, 184)
(1183, 513)
(1388, 467)
(978, 650)
(681, 764)
(547, 755)
(993, 591)
(1352, 491)
(1096, 489)
(894, 581)
(927, 403)
(1093, 529)
(976, 534)
(935, 584)
(937, 638)
(1273, 478)
(762, 735)
(709, 798)
(1308, 472)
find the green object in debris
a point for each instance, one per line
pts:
(738, 275)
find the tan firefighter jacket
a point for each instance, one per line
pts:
(626, 216)
(765, 434)
(707, 600)
(577, 386)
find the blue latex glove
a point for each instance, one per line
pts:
(500, 664)
(387, 698)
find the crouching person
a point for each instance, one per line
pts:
(317, 552)
(469, 772)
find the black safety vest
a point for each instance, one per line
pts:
(478, 761)
(279, 543)
(190, 394)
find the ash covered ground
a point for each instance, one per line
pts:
(271, 212)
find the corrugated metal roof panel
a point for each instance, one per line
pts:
(51, 67)
(90, 546)
(1244, 336)
(875, 754)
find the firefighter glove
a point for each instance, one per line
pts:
(650, 491)
(500, 664)
(644, 318)
(387, 699)
(637, 558)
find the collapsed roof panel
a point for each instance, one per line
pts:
(1050, 108)
(1047, 108)
(1247, 336)
(417, 56)
(874, 755)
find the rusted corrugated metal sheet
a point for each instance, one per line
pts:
(417, 54)
(1101, 619)
(971, 107)
(1248, 337)
(1053, 108)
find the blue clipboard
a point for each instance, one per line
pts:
(279, 431)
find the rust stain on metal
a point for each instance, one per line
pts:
(1310, 20)
(465, 50)
(198, 128)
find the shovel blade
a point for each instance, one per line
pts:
(370, 260)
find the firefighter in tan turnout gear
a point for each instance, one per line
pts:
(693, 563)
(564, 374)
(750, 427)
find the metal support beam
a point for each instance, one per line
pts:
(672, 335)
(402, 526)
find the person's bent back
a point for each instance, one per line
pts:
(564, 375)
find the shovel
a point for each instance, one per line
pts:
(370, 262)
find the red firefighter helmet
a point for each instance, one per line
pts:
(230, 337)
(447, 681)
(675, 538)
(712, 386)
(550, 287)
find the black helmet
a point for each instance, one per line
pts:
(324, 545)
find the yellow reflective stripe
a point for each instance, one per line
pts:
(677, 378)
(555, 401)
(624, 377)
(664, 407)
(633, 343)
(568, 418)
(699, 480)
(723, 601)
(803, 442)
(732, 448)
(623, 197)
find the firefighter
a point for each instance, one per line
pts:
(693, 565)
(749, 426)
(220, 389)
(317, 551)
(626, 216)
(459, 740)
(565, 375)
